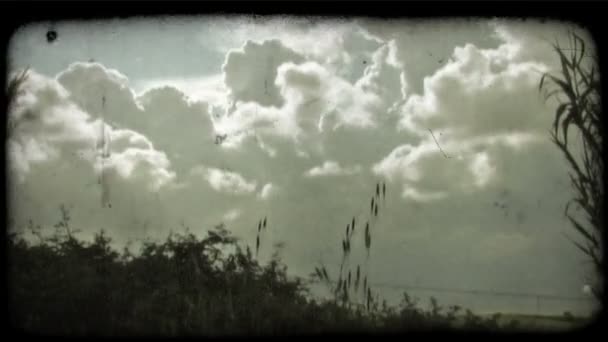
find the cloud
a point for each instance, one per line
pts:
(208, 89)
(100, 91)
(226, 181)
(322, 111)
(56, 155)
(232, 215)
(412, 193)
(249, 72)
(351, 53)
(343, 47)
(267, 190)
(51, 126)
(138, 161)
(383, 78)
(466, 97)
(420, 51)
(331, 168)
(462, 115)
(450, 167)
(533, 40)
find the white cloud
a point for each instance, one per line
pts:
(267, 190)
(412, 193)
(249, 72)
(467, 96)
(332, 168)
(208, 89)
(315, 97)
(343, 47)
(451, 166)
(420, 51)
(226, 181)
(482, 169)
(56, 127)
(384, 78)
(232, 215)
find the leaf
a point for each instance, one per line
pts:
(318, 273)
(542, 81)
(559, 112)
(588, 236)
(325, 273)
(581, 247)
(582, 45)
(565, 65)
(565, 126)
(565, 88)
(349, 279)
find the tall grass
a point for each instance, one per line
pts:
(13, 90)
(577, 89)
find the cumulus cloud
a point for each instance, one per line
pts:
(232, 215)
(138, 161)
(332, 168)
(57, 152)
(461, 116)
(466, 97)
(249, 72)
(222, 180)
(384, 78)
(416, 195)
(267, 190)
(207, 89)
(50, 125)
(322, 109)
(344, 48)
(100, 91)
(451, 166)
(317, 93)
(420, 51)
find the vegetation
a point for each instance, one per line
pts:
(60, 285)
(13, 90)
(577, 90)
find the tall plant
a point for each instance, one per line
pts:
(13, 90)
(577, 90)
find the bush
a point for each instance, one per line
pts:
(183, 286)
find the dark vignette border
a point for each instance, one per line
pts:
(589, 15)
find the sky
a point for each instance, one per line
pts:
(315, 113)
